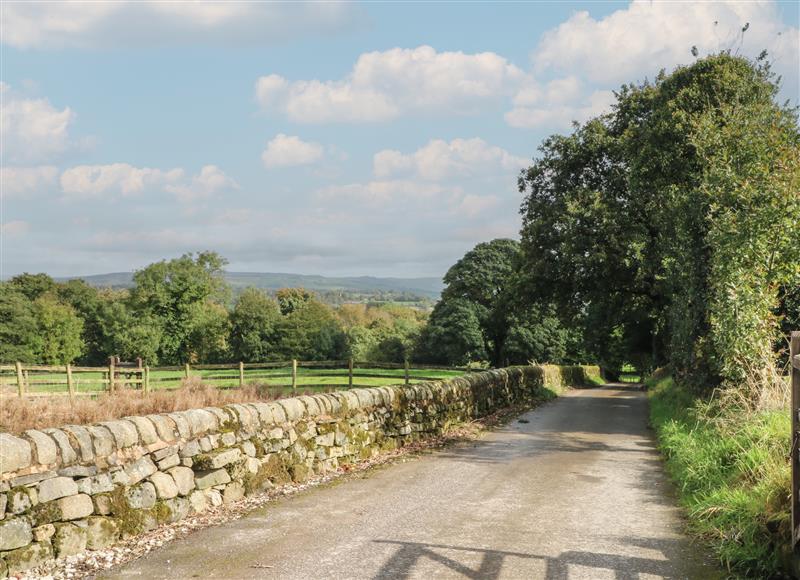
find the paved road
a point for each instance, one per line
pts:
(574, 490)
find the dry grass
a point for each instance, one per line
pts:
(17, 415)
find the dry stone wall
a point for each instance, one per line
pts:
(65, 490)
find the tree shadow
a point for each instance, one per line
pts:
(460, 561)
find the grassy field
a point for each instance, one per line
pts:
(307, 378)
(732, 471)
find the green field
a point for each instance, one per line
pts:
(307, 378)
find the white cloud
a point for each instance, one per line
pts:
(209, 181)
(284, 151)
(441, 159)
(383, 85)
(26, 181)
(383, 193)
(113, 179)
(646, 36)
(15, 228)
(32, 129)
(554, 113)
(48, 25)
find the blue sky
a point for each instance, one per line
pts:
(326, 138)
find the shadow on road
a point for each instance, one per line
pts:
(461, 560)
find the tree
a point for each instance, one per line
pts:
(172, 293)
(127, 334)
(209, 334)
(291, 299)
(253, 326)
(453, 335)
(32, 286)
(482, 277)
(61, 331)
(310, 332)
(20, 339)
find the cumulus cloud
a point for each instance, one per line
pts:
(441, 159)
(285, 151)
(383, 85)
(384, 193)
(647, 36)
(208, 182)
(33, 130)
(554, 112)
(49, 25)
(27, 181)
(86, 181)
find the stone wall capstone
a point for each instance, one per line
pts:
(65, 490)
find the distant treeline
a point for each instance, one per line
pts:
(182, 310)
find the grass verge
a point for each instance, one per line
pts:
(733, 474)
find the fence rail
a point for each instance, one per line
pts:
(48, 380)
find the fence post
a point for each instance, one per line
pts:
(186, 370)
(794, 366)
(294, 373)
(350, 373)
(241, 374)
(20, 380)
(111, 375)
(70, 385)
(405, 367)
(146, 383)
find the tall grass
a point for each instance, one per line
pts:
(17, 415)
(732, 469)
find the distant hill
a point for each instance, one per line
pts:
(424, 287)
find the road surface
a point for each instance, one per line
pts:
(571, 490)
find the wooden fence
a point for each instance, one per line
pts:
(48, 380)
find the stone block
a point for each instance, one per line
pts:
(124, 432)
(102, 504)
(3, 503)
(184, 479)
(176, 509)
(78, 471)
(164, 484)
(325, 440)
(165, 452)
(198, 501)
(15, 453)
(140, 469)
(206, 479)
(44, 532)
(18, 501)
(169, 461)
(84, 440)
(214, 497)
(102, 439)
(102, 483)
(218, 459)
(68, 540)
(292, 408)
(57, 487)
(278, 414)
(141, 497)
(165, 427)
(14, 533)
(249, 449)
(228, 439)
(74, 507)
(145, 429)
(181, 424)
(234, 491)
(101, 532)
(200, 421)
(44, 448)
(84, 485)
(28, 557)
(32, 478)
(190, 449)
(205, 444)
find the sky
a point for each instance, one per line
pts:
(316, 138)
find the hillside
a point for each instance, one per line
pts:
(423, 287)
